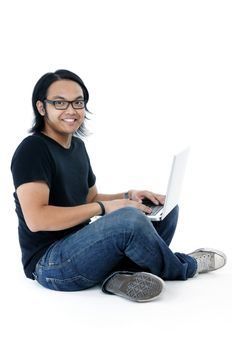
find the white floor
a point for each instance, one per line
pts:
(192, 314)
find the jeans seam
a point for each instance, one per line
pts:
(195, 265)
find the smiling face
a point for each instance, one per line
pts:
(61, 124)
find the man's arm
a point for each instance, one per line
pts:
(133, 195)
(94, 196)
(40, 216)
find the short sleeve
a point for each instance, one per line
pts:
(32, 162)
(91, 175)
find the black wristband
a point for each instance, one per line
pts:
(102, 208)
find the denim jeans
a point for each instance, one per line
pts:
(124, 240)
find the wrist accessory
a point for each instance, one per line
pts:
(102, 208)
(126, 195)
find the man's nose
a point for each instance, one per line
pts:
(70, 109)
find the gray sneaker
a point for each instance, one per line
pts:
(208, 259)
(135, 286)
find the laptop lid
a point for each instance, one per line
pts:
(175, 181)
(174, 184)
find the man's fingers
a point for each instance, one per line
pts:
(146, 209)
(141, 206)
(160, 198)
(152, 197)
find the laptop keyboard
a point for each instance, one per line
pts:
(155, 208)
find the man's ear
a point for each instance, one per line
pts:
(40, 108)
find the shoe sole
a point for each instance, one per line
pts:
(139, 286)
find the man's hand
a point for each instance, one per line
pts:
(115, 204)
(135, 200)
(138, 196)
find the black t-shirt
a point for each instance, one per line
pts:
(69, 176)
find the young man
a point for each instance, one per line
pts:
(56, 196)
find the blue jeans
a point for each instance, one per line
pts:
(124, 240)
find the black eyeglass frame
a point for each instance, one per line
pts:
(53, 102)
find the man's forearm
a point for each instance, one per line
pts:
(109, 197)
(53, 218)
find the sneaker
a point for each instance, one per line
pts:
(135, 286)
(208, 259)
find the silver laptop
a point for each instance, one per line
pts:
(159, 212)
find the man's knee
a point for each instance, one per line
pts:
(172, 217)
(131, 216)
(175, 211)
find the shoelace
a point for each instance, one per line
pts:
(203, 262)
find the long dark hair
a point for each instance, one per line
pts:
(40, 94)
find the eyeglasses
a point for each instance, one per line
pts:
(62, 105)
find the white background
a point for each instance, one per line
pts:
(159, 75)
